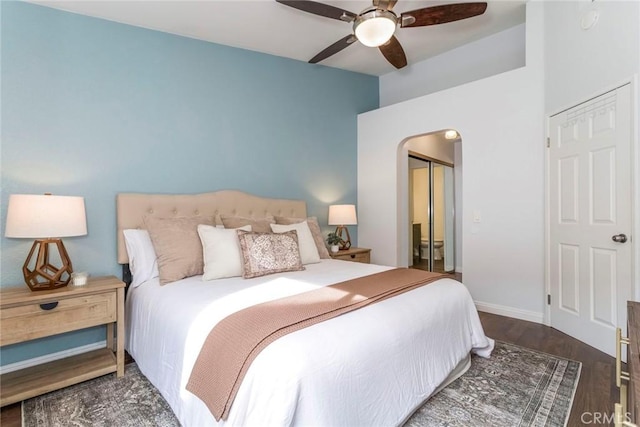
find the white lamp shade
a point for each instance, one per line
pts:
(40, 216)
(342, 215)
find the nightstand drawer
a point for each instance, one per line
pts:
(362, 257)
(27, 322)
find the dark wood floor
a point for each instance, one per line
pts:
(423, 264)
(596, 393)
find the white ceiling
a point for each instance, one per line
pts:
(270, 27)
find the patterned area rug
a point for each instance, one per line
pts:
(130, 401)
(515, 387)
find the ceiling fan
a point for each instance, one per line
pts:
(375, 25)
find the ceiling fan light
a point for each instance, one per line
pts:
(375, 28)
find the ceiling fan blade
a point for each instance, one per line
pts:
(320, 9)
(385, 4)
(441, 14)
(392, 50)
(334, 48)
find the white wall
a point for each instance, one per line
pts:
(502, 127)
(491, 55)
(580, 64)
(583, 63)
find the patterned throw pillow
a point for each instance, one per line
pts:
(269, 253)
(314, 226)
(306, 245)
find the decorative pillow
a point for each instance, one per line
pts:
(316, 232)
(259, 225)
(177, 245)
(221, 251)
(268, 253)
(143, 262)
(308, 250)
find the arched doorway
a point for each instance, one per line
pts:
(430, 188)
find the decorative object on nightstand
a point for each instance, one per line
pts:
(342, 215)
(46, 218)
(79, 278)
(362, 255)
(333, 240)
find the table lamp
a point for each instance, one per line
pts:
(46, 218)
(342, 215)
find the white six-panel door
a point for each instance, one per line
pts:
(590, 217)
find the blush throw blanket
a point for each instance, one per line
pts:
(236, 341)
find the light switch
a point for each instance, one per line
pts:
(477, 217)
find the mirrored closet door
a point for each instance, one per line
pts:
(431, 211)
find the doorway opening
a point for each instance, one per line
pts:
(432, 188)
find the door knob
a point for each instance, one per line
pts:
(619, 238)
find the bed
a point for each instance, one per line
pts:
(372, 366)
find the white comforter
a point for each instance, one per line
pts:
(369, 367)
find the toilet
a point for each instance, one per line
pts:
(437, 249)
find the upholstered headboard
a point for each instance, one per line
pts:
(133, 207)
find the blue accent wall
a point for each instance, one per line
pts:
(93, 108)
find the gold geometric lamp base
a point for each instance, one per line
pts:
(39, 272)
(345, 242)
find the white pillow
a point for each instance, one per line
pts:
(221, 251)
(143, 261)
(308, 250)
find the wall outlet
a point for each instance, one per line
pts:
(477, 217)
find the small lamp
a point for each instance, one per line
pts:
(342, 215)
(46, 218)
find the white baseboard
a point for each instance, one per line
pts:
(51, 357)
(516, 313)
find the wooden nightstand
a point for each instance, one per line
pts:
(353, 254)
(27, 315)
